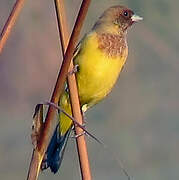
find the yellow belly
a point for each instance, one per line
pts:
(98, 72)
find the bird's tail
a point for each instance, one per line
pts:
(55, 151)
(56, 148)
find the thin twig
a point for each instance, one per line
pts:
(74, 121)
(10, 23)
(75, 105)
(39, 152)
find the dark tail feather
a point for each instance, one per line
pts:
(55, 151)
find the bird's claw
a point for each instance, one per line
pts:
(74, 70)
(81, 134)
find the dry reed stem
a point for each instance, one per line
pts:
(10, 23)
(81, 143)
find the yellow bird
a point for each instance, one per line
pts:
(99, 59)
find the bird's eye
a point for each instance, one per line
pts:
(126, 13)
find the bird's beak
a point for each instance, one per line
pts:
(136, 18)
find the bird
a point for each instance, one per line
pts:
(99, 59)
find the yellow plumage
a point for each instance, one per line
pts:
(97, 71)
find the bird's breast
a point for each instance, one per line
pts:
(113, 45)
(99, 67)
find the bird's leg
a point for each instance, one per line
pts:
(84, 118)
(83, 110)
(81, 134)
(74, 70)
(84, 125)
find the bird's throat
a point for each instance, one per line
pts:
(111, 44)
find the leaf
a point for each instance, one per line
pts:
(37, 125)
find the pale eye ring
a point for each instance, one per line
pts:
(126, 13)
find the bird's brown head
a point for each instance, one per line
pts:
(116, 20)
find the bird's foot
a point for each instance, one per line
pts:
(74, 70)
(84, 118)
(81, 134)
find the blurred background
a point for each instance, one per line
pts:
(138, 121)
